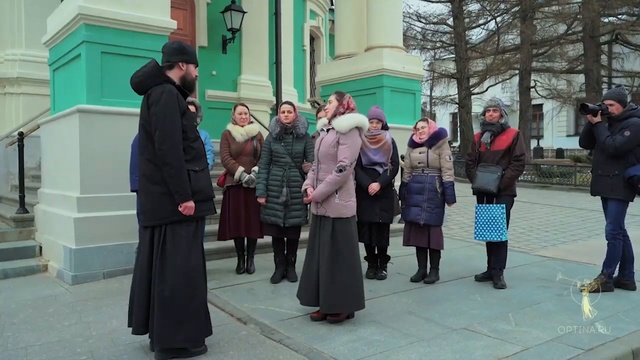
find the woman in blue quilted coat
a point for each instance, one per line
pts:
(427, 185)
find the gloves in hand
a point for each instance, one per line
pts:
(243, 176)
(254, 172)
(248, 180)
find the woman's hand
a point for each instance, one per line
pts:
(374, 188)
(262, 201)
(306, 166)
(450, 205)
(307, 198)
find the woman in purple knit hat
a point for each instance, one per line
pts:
(376, 170)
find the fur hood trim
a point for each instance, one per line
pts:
(299, 126)
(243, 133)
(345, 123)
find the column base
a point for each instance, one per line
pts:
(389, 78)
(86, 219)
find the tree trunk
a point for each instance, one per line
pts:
(590, 11)
(463, 80)
(527, 31)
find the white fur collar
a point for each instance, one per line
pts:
(243, 133)
(344, 123)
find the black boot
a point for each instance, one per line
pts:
(372, 266)
(292, 256)
(624, 284)
(421, 255)
(239, 244)
(383, 259)
(251, 251)
(279, 260)
(434, 270)
(498, 280)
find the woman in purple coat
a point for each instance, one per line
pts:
(331, 276)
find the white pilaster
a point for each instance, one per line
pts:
(289, 91)
(350, 25)
(254, 78)
(86, 218)
(24, 74)
(384, 24)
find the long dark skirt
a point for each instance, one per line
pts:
(374, 234)
(168, 297)
(240, 214)
(331, 276)
(424, 236)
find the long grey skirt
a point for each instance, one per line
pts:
(331, 278)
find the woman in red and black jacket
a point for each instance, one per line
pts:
(499, 144)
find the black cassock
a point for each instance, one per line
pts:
(168, 297)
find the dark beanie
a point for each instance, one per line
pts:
(178, 51)
(617, 94)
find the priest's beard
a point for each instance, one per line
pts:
(188, 83)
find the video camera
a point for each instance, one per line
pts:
(593, 109)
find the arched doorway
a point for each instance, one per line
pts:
(184, 13)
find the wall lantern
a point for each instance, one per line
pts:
(233, 15)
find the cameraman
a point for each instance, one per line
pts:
(615, 145)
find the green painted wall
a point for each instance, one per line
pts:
(217, 114)
(299, 53)
(312, 15)
(93, 66)
(400, 98)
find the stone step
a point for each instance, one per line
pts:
(24, 267)
(11, 199)
(8, 216)
(30, 187)
(9, 234)
(215, 250)
(18, 250)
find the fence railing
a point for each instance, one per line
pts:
(578, 175)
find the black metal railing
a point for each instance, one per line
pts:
(577, 175)
(22, 207)
(260, 122)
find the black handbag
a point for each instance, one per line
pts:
(488, 177)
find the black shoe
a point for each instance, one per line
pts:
(291, 274)
(483, 277)
(420, 275)
(381, 273)
(422, 257)
(372, 267)
(598, 285)
(624, 284)
(240, 266)
(165, 354)
(499, 283)
(433, 276)
(280, 270)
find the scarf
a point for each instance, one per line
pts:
(490, 130)
(376, 150)
(346, 106)
(432, 128)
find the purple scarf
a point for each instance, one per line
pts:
(376, 150)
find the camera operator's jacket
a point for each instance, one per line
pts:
(616, 147)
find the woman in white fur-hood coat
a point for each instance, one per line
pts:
(330, 189)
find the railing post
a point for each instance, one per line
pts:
(22, 208)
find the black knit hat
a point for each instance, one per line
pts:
(617, 94)
(178, 51)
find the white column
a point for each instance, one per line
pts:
(384, 24)
(24, 62)
(289, 91)
(85, 218)
(254, 87)
(350, 27)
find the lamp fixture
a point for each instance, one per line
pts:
(233, 15)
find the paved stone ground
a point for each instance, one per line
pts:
(539, 316)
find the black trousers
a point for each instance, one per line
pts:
(497, 251)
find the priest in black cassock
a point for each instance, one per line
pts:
(168, 297)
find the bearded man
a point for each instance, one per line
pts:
(168, 297)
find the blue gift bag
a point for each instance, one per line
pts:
(491, 223)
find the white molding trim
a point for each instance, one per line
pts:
(234, 97)
(202, 23)
(107, 18)
(322, 6)
(91, 109)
